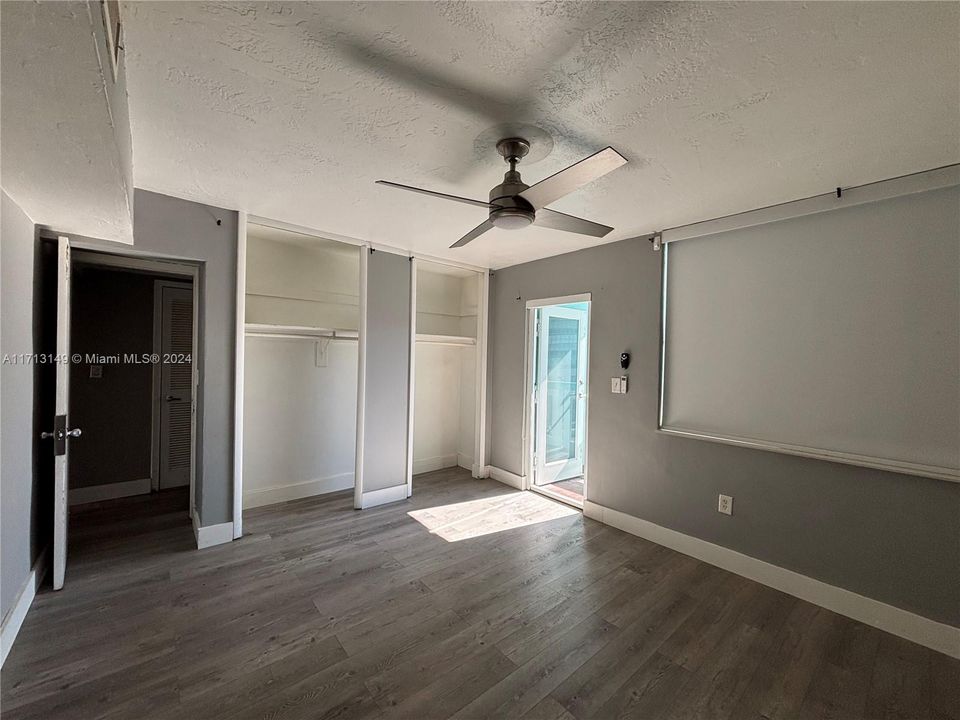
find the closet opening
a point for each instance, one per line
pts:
(444, 372)
(301, 322)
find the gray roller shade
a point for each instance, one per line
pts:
(835, 333)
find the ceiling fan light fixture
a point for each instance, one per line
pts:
(512, 218)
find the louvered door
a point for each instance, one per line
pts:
(176, 391)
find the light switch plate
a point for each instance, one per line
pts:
(615, 385)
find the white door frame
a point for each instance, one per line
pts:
(412, 372)
(238, 374)
(541, 372)
(480, 428)
(361, 377)
(528, 373)
(155, 409)
(92, 253)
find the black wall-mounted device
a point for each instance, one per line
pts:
(624, 360)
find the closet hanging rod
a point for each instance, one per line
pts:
(294, 336)
(446, 339)
(298, 331)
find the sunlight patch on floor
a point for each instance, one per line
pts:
(462, 521)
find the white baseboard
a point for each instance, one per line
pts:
(506, 477)
(430, 464)
(372, 498)
(910, 626)
(465, 461)
(210, 535)
(109, 491)
(257, 497)
(14, 618)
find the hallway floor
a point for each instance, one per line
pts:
(471, 600)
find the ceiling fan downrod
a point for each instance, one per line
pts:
(507, 210)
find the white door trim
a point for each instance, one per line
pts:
(238, 375)
(361, 376)
(411, 372)
(480, 440)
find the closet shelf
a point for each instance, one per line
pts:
(298, 331)
(446, 339)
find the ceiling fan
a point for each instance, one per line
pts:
(514, 205)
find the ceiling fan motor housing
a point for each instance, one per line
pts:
(510, 211)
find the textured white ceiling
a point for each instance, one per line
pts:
(292, 110)
(62, 158)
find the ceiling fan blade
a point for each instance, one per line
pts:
(573, 177)
(474, 234)
(569, 223)
(444, 196)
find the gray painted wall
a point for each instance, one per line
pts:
(111, 313)
(892, 537)
(387, 371)
(18, 490)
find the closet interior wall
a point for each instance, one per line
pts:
(300, 375)
(445, 369)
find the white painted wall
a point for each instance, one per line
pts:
(436, 412)
(301, 283)
(443, 305)
(299, 420)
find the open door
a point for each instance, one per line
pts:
(560, 386)
(62, 432)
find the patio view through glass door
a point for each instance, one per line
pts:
(560, 398)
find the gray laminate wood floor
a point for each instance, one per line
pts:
(470, 601)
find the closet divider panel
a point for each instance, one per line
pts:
(387, 375)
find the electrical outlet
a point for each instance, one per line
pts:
(725, 505)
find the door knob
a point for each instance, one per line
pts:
(60, 434)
